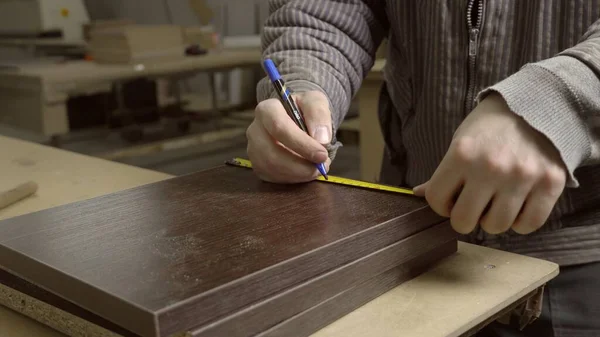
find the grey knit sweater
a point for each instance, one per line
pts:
(542, 56)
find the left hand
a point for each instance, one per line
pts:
(498, 172)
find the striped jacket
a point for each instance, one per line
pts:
(542, 56)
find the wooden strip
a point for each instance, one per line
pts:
(174, 144)
(260, 316)
(325, 313)
(17, 193)
(167, 257)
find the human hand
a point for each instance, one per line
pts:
(279, 150)
(498, 172)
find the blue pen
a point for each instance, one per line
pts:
(288, 102)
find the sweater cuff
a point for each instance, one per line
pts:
(548, 104)
(297, 86)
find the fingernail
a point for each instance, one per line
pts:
(322, 134)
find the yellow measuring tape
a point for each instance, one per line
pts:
(336, 180)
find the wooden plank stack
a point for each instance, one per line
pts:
(219, 253)
(136, 43)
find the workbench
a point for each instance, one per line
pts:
(462, 293)
(34, 97)
(43, 42)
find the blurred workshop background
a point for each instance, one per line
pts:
(167, 85)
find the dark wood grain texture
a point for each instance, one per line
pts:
(169, 256)
(261, 316)
(409, 257)
(327, 312)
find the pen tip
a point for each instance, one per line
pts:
(323, 171)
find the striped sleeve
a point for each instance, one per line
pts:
(326, 45)
(560, 97)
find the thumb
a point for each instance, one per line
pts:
(315, 108)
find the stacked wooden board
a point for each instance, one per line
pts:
(219, 253)
(130, 43)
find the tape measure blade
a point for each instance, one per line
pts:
(366, 185)
(335, 180)
(239, 162)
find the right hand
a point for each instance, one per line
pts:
(279, 150)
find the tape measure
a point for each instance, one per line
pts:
(335, 180)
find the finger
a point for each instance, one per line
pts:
(276, 173)
(539, 204)
(470, 206)
(504, 210)
(535, 213)
(315, 108)
(442, 189)
(273, 163)
(420, 190)
(282, 128)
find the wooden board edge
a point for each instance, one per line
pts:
(260, 316)
(25, 297)
(136, 317)
(327, 312)
(50, 316)
(34, 299)
(193, 311)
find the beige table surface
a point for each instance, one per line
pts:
(62, 176)
(41, 42)
(456, 295)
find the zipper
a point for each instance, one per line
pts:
(474, 22)
(475, 10)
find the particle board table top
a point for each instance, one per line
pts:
(461, 292)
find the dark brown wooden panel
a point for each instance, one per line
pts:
(312, 320)
(284, 305)
(261, 316)
(169, 256)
